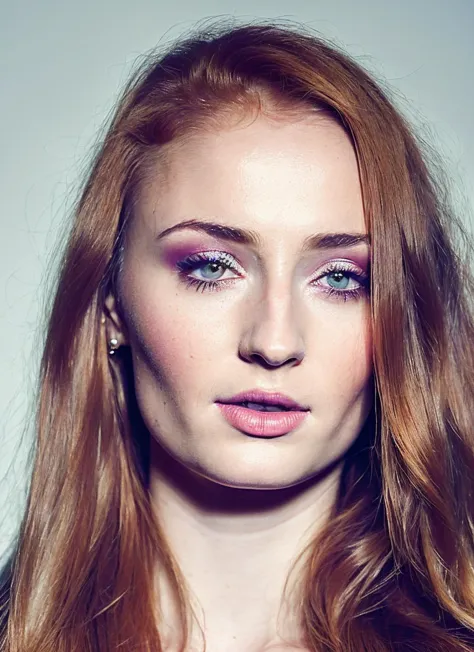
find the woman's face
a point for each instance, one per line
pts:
(208, 317)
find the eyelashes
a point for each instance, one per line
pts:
(218, 260)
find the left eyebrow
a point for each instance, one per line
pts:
(251, 238)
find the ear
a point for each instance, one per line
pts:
(114, 323)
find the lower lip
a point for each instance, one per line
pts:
(261, 424)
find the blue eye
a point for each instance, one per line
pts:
(341, 274)
(213, 261)
(213, 265)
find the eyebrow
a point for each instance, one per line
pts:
(251, 238)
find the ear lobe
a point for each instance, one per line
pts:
(114, 323)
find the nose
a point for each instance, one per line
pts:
(273, 332)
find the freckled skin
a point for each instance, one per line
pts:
(285, 181)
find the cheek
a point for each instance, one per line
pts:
(173, 341)
(346, 356)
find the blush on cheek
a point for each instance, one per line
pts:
(351, 359)
(163, 339)
(362, 354)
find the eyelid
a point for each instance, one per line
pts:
(345, 264)
(202, 258)
(347, 267)
(220, 256)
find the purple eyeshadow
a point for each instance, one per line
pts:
(174, 253)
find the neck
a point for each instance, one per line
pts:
(236, 547)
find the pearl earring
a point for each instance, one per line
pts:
(113, 345)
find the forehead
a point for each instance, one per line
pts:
(267, 175)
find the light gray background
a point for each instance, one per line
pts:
(62, 64)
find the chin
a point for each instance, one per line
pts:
(258, 478)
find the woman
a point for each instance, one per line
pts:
(255, 417)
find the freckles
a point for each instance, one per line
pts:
(156, 330)
(176, 338)
(361, 350)
(167, 336)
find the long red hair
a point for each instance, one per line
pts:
(393, 569)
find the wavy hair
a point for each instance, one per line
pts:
(393, 569)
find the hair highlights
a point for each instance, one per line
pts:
(394, 568)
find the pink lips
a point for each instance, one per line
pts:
(263, 396)
(261, 424)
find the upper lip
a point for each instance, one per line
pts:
(262, 396)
